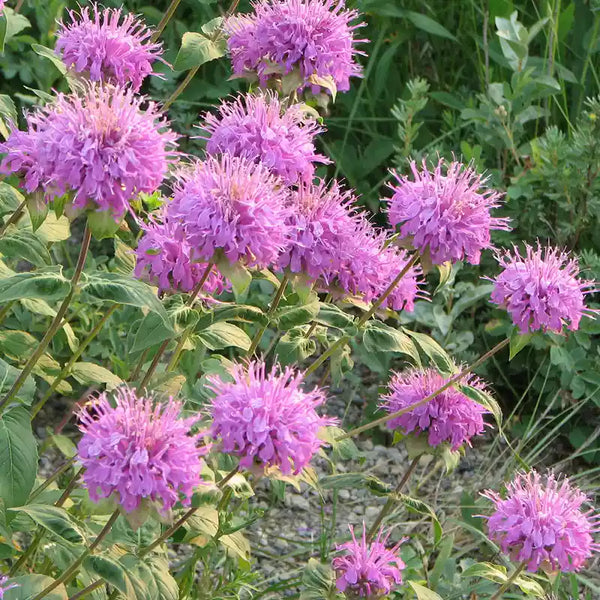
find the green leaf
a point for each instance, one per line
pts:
(425, 23)
(291, 316)
(318, 581)
(120, 289)
(89, 373)
(151, 331)
(342, 449)
(294, 346)
(237, 545)
(51, 56)
(29, 586)
(11, 24)
(46, 284)
(445, 272)
(18, 457)
(239, 276)
(530, 587)
(433, 351)
(115, 574)
(165, 582)
(198, 48)
(10, 198)
(223, 335)
(54, 229)
(424, 593)
(38, 209)
(56, 520)
(332, 316)
(422, 508)
(518, 341)
(486, 400)
(124, 258)
(17, 344)
(8, 375)
(379, 337)
(233, 312)
(25, 245)
(8, 110)
(486, 570)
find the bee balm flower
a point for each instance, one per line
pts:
(313, 37)
(445, 213)
(4, 581)
(541, 290)
(265, 418)
(368, 569)
(139, 449)
(542, 523)
(107, 46)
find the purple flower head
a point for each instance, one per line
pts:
(259, 128)
(108, 46)
(372, 266)
(447, 214)
(450, 417)
(100, 145)
(163, 256)
(1, 11)
(368, 569)
(265, 418)
(4, 581)
(140, 449)
(542, 522)
(235, 206)
(541, 290)
(312, 36)
(323, 227)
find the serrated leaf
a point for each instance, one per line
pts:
(8, 375)
(88, 373)
(332, 316)
(17, 344)
(292, 316)
(18, 457)
(25, 245)
(424, 509)
(436, 354)
(56, 520)
(152, 330)
(198, 49)
(484, 399)
(342, 449)
(29, 586)
(237, 545)
(223, 335)
(294, 347)
(45, 284)
(379, 337)
(486, 570)
(10, 198)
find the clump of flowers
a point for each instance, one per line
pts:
(372, 266)
(140, 449)
(265, 418)
(541, 522)
(314, 37)
(445, 212)
(101, 145)
(258, 127)
(368, 569)
(107, 46)
(323, 228)
(4, 581)
(541, 290)
(234, 206)
(164, 256)
(449, 417)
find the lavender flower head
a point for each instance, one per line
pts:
(4, 581)
(541, 290)
(107, 46)
(234, 206)
(372, 266)
(1, 11)
(312, 36)
(542, 522)
(450, 417)
(368, 569)
(447, 214)
(259, 128)
(265, 418)
(139, 449)
(101, 145)
(164, 257)
(323, 226)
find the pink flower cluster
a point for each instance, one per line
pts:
(542, 289)
(368, 569)
(445, 212)
(312, 36)
(139, 449)
(4, 580)
(259, 128)
(107, 46)
(165, 257)
(449, 417)
(234, 206)
(541, 522)
(265, 418)
(102, 145)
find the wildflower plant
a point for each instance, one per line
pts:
(183, 314)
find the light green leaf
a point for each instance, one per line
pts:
(29, 586)
(53, 229)
(294, 346)
(89, 373)
(424, 593)
(318, 581)
(223, 335)
(486, 570)
(425, 23)
(46, 284)
(56, 520)
(51, 56)
(198, 48)
(18, 457)
(291, 316)
(8, 375)
(239, 276)
(8, 110)
(17, 344)
(332, 316)
(433, 351)
(518, 341)
(25, 245)
(486, 400)
(115, 574)
(10, 197)
(379, 337)
(422, 508)
(152, 330)
(237, 545)
(11, 24)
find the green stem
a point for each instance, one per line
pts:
(454, 379)
(165, 19)
(72, 570)
(90, 588)
(179, 90)
(140, 364)
(178, 349)
(509, 581)
(52, 478)
(190, 301)
(14, 217)
(56, 323)
(270, 312)
(67, 368)
(392, 499)
(5, 310)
